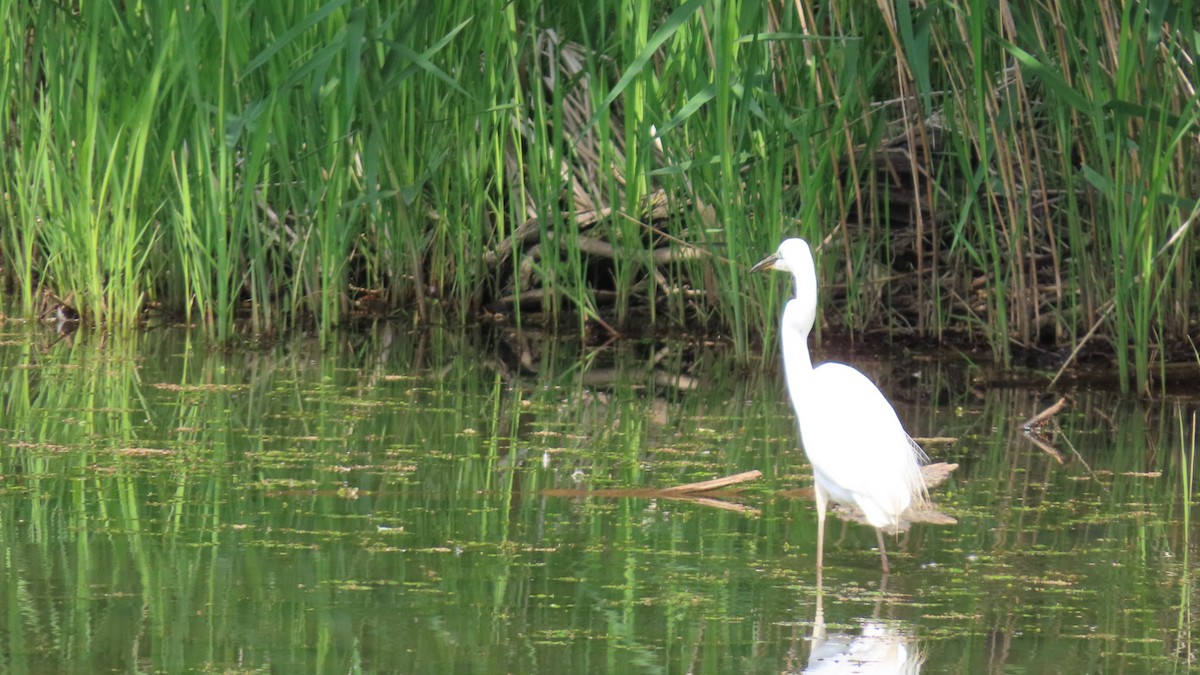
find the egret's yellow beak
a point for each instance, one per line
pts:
(767, 263)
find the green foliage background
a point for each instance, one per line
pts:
(1014, 175)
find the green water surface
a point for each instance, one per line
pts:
(417, 503)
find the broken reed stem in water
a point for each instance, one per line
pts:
(697, 493)
(688, 489)
(1044, 445)
(714, 484)
(1045, 414)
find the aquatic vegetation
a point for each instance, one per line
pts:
(183, 508)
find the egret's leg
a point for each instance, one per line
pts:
(882, 551)
(819, 633)
(822, 501)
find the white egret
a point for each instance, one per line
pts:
(858, 449)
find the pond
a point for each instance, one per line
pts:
(469, 502)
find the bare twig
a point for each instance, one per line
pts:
(1043, 445)
(701, 498)
(1046, 414)
(1108, 307)
(709, 485)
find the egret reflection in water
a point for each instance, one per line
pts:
(880, 646)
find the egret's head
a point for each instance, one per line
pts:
(793, 255)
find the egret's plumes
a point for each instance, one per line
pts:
(859, 451)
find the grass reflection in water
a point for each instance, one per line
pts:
(383, 506)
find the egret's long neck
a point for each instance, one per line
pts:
(803, 307)
(799, 315)
(793, 339)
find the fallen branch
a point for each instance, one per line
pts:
(696, 493)
(935, 474)
(1044, 445)
(715, 503)
(1046, 414)
(702, 499)
(714, 484)
(928, 515)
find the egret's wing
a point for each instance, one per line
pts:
(856, 443)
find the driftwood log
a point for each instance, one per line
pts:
(710, 493)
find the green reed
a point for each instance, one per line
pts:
(970, 172)
(1187, 477)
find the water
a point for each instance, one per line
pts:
(419, 503)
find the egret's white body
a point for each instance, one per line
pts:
(859, 451)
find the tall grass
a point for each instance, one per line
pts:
(1017, 176)
(1072, 127)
